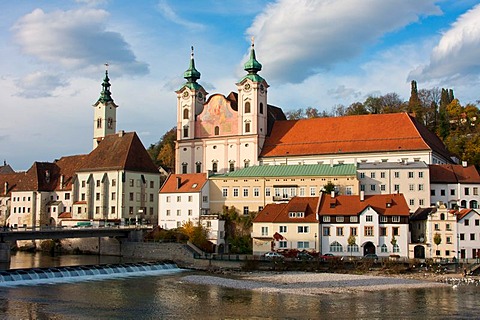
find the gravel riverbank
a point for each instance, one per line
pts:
(311, 283)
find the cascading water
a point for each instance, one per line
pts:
(83, 273)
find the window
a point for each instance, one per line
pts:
(396, 248)
(179, 198)
(190, 198)
(205, 198)
(312, 191)
(353, 231)
(235, 192)
(462, 236)
(437, 252)
(472, 236)
(372, 175)
(411, 187)
(185, 113)
(217, 130)
(362, 187)
(382, 187)
(421, 202)
(260, 208)
(151, 211)
(382, 175)
(302, 192)
(114, 195)
(354, 219)
(98, 183)
(256, 192)
(224, 192)
(340, 231)
(67, 196)
(396, 187)
(179, 212)
(247, 126)
(353, 248)
(432, 192)
(231, 166)
(168, 212)
(245, 192)
(152, 184)
(302, 229)
(326, 218)
(264, 231)
(477, 222)
(245, 210)
(184, 168)
(99, 123)
(396, 219)
(383, 219)
(261, 108)
(466, 222)
(410, 175)
(466, 191)
(448, 227)
(362, 175)
(267, 192)
(131, 197)
(383, 232)
(130, 210)
(326, 231)
(168, 199)
(420, 187)
(420, 174)
(131, 183)
(372, 187)
(449, 240)
(475, 191)
(442, 192)
(369, 218)
(247, 107)
(396, 174)
(282, 244)
(114, 182)
(112, 210)
(437, 227)
(336, 247)
(340, 219)
(369, 231)
(190, 212)
(283, 229)
(395, 231)
(97, 210)
(384, 248)
(303, 245)
(198, 167)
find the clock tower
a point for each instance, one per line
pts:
(105, 113)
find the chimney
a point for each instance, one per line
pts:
(332, 194)
(6, 188)
(121, 133)
(179, 182)
(464, 164)
(362, 195)
(61, 181)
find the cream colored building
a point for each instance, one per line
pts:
(252, 188)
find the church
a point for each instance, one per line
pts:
(220, 134)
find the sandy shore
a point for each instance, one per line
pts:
(311, 283)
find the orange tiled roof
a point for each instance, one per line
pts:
(453, 173)
(351, 134)
(191, 182)
(462, 213)
(65, 215)
(120, 151)
(280, 212)
(351, 205)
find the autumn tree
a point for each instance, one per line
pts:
(163, 152)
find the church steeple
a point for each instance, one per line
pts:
(105, 95)
(252, 66)
(192, 74)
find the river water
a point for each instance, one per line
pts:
(168, 297)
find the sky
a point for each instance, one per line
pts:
(318, 54)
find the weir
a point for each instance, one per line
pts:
(52, 275)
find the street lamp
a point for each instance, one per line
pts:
(315, 242)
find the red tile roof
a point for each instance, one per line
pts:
(352, 205)
(463, 213)
(120, 151)
(192, 182)
(280, 212)
(351, 134)
(453, 173)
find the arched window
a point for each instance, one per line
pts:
(184, 167)
(217, 130)
(353, 248)
(336, 247)
(247, 107)
(99, 123)
(185, 131)
(232, 166)
(214, 167)
(442, 216)
(261, 108)
(247, 127)
(384, 248)
(198, 167)
(246, 163)
(463, 204)
(473, 204)
(185, 113)
(396, 248)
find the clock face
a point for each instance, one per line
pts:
(185, 94)
(262, 88)
(247, 87)
(200, 96)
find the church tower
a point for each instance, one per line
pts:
(252, 102)
(105, 113)
(190, 100)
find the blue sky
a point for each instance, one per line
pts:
(314, 54)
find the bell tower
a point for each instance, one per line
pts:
(105, 113)
(252, 100)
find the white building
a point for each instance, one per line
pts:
(468, 225)
(185, 197)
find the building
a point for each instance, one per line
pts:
(284, 226)
(6, 168)
(433, 233)
(409, 178)
(252, 188)
(468, 226)
(185, 197)
(377, 223)
(456, 186)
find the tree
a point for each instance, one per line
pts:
(351, 242)
(294, 114)
(311, 113)
(356, 108)
(437, 239)
(329, 187)
(393, 241)
(163, 152)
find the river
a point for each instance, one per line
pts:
(168, 297)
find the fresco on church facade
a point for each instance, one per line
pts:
(217, 113)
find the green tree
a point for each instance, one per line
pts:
(356, 108)
(437, 239)
(351, 242)
(328, 188)
(163, 152)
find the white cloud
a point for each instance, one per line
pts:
(171, 15)
(296, 39)
(75, 40)
(456, 56)
(40, 84)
